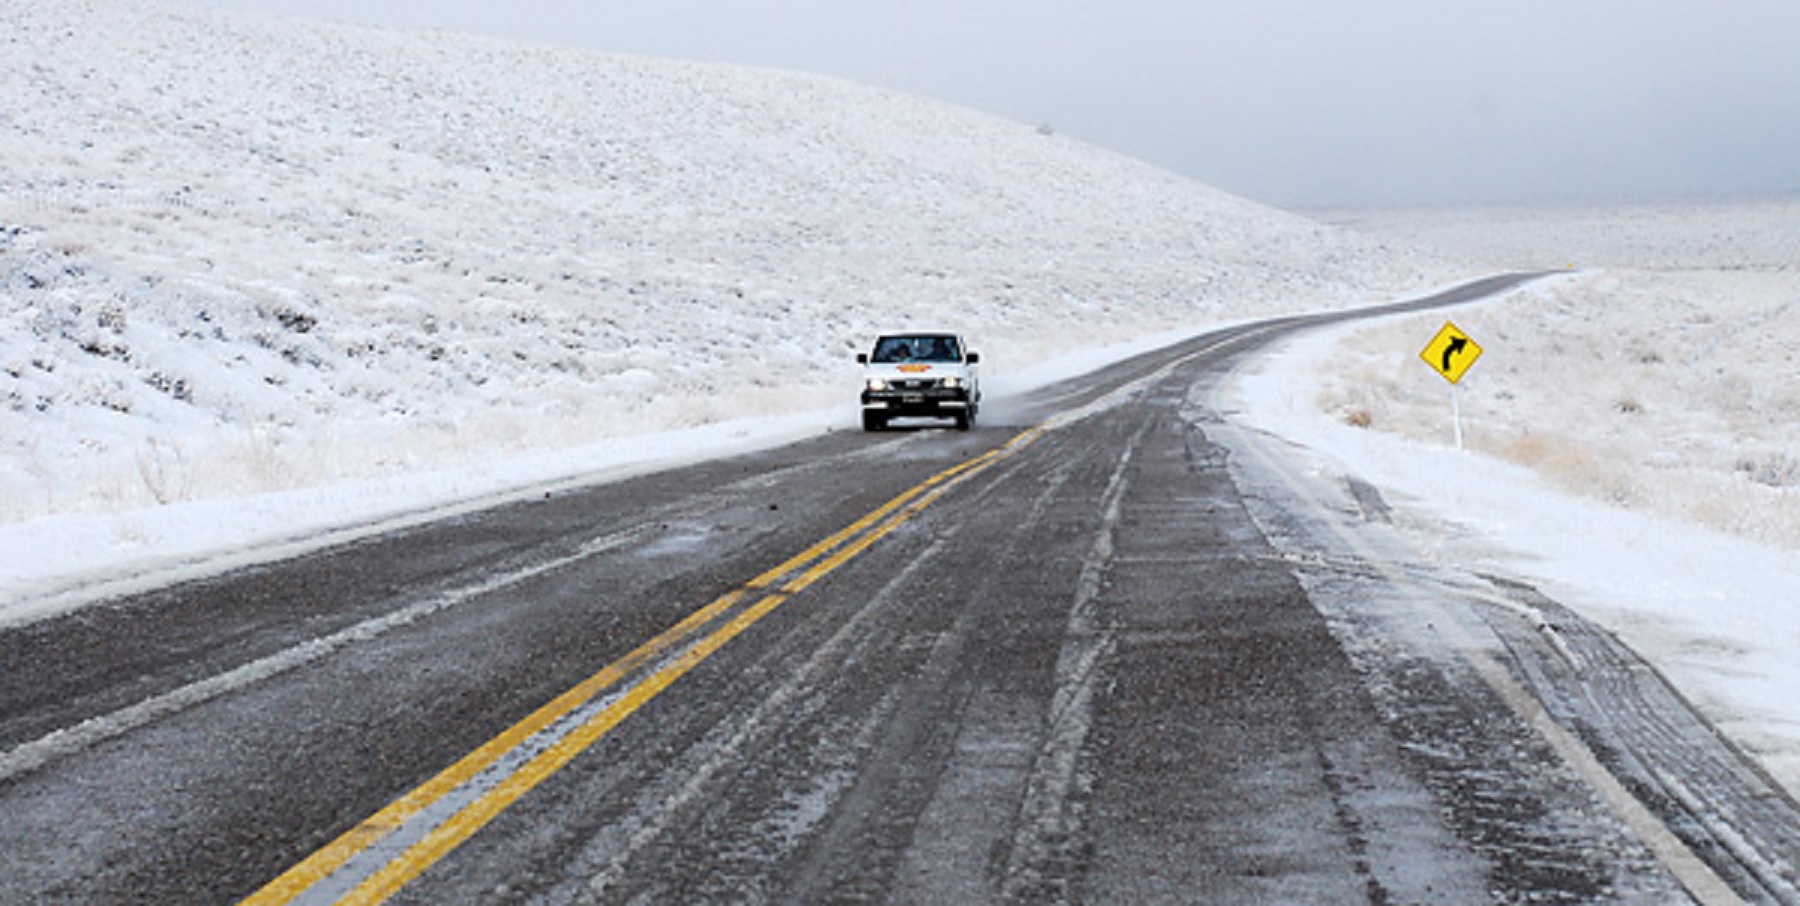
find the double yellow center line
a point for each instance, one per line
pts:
(374, 859)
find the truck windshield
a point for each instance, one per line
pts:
(890, 350)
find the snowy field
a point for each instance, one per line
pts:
(1633, 432)
(267, 281)
(1662, 376)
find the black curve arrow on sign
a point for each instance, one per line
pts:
(1457, 344)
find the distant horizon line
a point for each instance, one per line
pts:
(1697, 199)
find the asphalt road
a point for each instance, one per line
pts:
(1108, 647)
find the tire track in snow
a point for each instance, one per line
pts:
(1049, 833)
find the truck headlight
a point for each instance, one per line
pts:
(877, 384)
(952, 383)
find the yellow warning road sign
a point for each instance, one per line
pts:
(1451, 352)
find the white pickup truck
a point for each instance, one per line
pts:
(920, 374)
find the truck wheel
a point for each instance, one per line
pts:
(874, 421)
(964, 419)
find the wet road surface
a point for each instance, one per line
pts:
(1111, 646)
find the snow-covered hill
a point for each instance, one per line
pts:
(242, 254)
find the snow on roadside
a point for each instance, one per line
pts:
(55, 564)
(1715, 614)
(1633, 434)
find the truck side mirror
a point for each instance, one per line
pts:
(862, 358)
(973, 358)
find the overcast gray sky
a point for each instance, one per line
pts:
(1296, 103)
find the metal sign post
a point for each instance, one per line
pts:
(1456, 412)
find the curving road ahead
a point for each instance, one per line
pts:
(1112, 646)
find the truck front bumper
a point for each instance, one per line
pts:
(916, 402)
